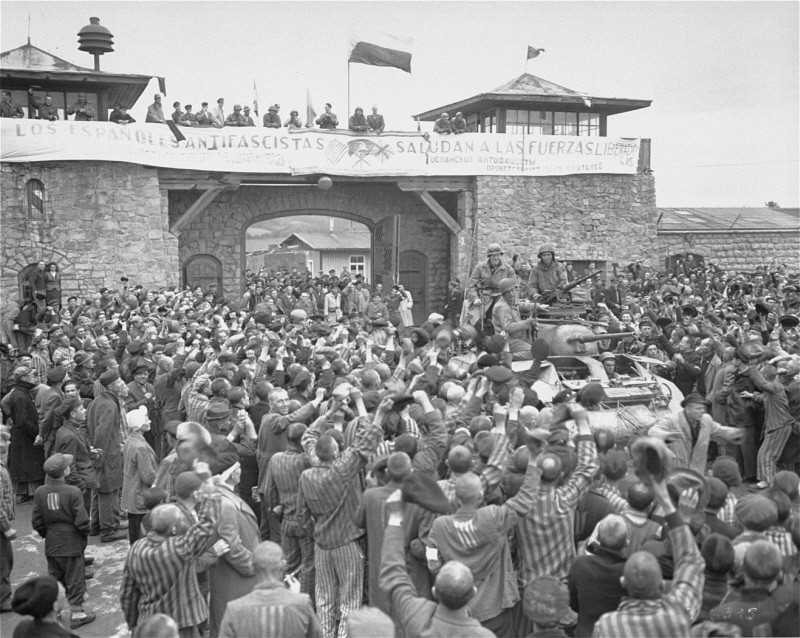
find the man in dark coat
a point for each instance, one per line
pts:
(104, 422)
(71, 439)
(594, 579)
(24, 458)
(60, 517)
(49, 399)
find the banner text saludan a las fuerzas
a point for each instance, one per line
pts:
(306, 151)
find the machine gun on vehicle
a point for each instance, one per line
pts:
(551, 296)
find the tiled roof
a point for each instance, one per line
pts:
(527, 84)
(330, 241)
(733, 219)
(33, 58)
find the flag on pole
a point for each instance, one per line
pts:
(375, 55)
(255, 98)
(533, 52)
(311, 114)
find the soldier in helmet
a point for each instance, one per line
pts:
(483, 288)
(506, 320)
(548, 276)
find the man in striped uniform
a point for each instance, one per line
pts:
(546, 544)
(645, 611)
(282, 482)
(329, 495)
(778, 420)
(159, 574)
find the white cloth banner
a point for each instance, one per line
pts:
(305, 151)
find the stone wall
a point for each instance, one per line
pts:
(588, 217)
(102, 220)
(742, 250)
(220, 229)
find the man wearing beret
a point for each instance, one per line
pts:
(688, 433)
(105, 422)
(59, 516)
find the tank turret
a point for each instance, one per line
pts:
(570, 339)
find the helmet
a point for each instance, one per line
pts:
(493, 249)
(606, 356)
(507, 284)
(547, 248)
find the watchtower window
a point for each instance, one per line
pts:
(34, 194)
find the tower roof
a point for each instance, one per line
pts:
(532, 92)
(29, 65)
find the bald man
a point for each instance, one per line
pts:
(478, 537)
(159, 574)
(454, 588)
(646, 610)
(270, 610)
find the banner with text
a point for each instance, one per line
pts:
(305, 151)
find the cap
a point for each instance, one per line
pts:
(498, 374)
(694, 397)
(493, 249)
(726, 469)
(56, 374)
(756, 512)
(218, 410)
(35, 597)
(57, 463)
(108, 377)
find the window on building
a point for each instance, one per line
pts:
(588, 124)
(552, 122)
(34, 195)
(23, 279)
(565, 123)
(472, 122)
(489, 122)
(357, 264)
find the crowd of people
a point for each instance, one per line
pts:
(185, 115)
(307, 460)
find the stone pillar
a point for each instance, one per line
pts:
(462, 245)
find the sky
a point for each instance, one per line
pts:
(723, 76)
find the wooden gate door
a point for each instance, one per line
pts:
(414, 276)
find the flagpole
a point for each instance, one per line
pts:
(348, 89)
